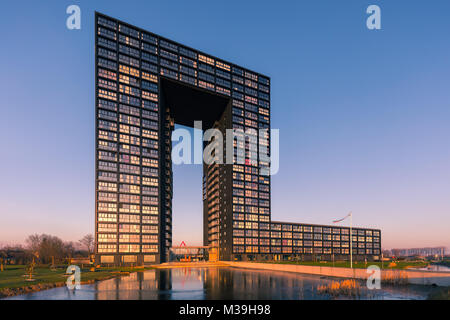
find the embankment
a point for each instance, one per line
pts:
(400, 276)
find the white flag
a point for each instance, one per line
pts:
(336, 221)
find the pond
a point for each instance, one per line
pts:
(194, 283)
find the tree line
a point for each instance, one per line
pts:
(46, 249)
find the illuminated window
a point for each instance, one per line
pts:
(206, 59)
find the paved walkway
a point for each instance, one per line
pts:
(200, 264)
(440, 278)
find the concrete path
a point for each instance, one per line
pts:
(201, 264)
(439, 278)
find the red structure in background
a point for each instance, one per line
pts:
(186, 258)
(191, 254)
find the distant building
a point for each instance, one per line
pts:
(387, 253)
(424, 252)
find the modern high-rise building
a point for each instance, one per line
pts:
(144, 85)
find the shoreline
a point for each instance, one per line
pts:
(394, 276)
(36, 287)
(11, 292)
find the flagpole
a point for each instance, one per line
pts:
(351, 241)
(351, 235)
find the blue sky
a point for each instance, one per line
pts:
(363, 115)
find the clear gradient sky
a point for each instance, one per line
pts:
(363, 115)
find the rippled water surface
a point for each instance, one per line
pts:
(216, 283)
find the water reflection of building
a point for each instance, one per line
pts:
(151, 284)
(226, 283)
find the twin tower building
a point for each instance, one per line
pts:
(144, 85)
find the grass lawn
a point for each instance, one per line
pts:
(346, 264)
(13, 275)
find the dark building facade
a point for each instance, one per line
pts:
(144, 85)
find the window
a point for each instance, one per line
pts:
(107, 23)
(168, 45)
(206, 59)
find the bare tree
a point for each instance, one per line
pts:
(46, 247)
(88, 242)
(52, 246)
(33, 243)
